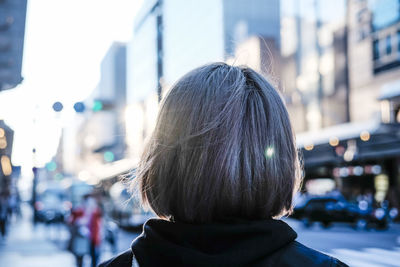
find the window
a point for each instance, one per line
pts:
(376, 49)
(388, 45)
(398, 41)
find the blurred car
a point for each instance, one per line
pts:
(75, 190)
(52, 206)
(328, 209)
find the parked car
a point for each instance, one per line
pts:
(329, 209)
(52, 205)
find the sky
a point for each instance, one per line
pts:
(65, 42)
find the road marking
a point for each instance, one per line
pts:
(368, 257)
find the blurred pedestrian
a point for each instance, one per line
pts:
(14, 205)
(85, 228)
(79, 232)
(111, 235)
(3, 213)
(94, 215)
(220, 170)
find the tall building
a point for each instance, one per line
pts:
(100, 130)
(199, 32)
(12, 31)
(314, 67)
(112, 95)
(374, 59)
(172, 37)
(362, 156)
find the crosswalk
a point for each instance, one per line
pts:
(368, 257)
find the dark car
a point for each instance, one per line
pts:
(329, 209)
(52, 206)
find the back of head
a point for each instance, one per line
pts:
(222, 148)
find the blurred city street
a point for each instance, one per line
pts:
(363, 248)
(79, 100)
(28, 245)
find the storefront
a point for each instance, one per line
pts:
(363, 160)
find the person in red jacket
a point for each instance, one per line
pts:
(78, 242)
(94, 215)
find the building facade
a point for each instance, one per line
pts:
(99, 130)
(314, 63)
(362, 156)
(12, 32)
(374, 58)
(196, 33)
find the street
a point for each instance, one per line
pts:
(27, 245)
(40, 246)
(364, 248)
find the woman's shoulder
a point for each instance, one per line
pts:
(302, 255)
(125, 259)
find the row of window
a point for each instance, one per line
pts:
(386, 46)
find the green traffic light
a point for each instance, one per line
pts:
(51, 166)
(109, 156)
(97, 105)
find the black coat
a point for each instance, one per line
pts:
(238, 243)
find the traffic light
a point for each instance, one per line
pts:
(12, 29)
(51, 166)
(109, 156)
(102, 105)
(97, 105)
(79, 107)
(58, 106)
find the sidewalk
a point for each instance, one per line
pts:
(29, 246)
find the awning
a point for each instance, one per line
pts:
(383, 142)
(390, 90)
(341, 131)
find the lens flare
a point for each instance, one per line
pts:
(269, 152)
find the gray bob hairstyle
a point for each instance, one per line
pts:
(223, 148)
